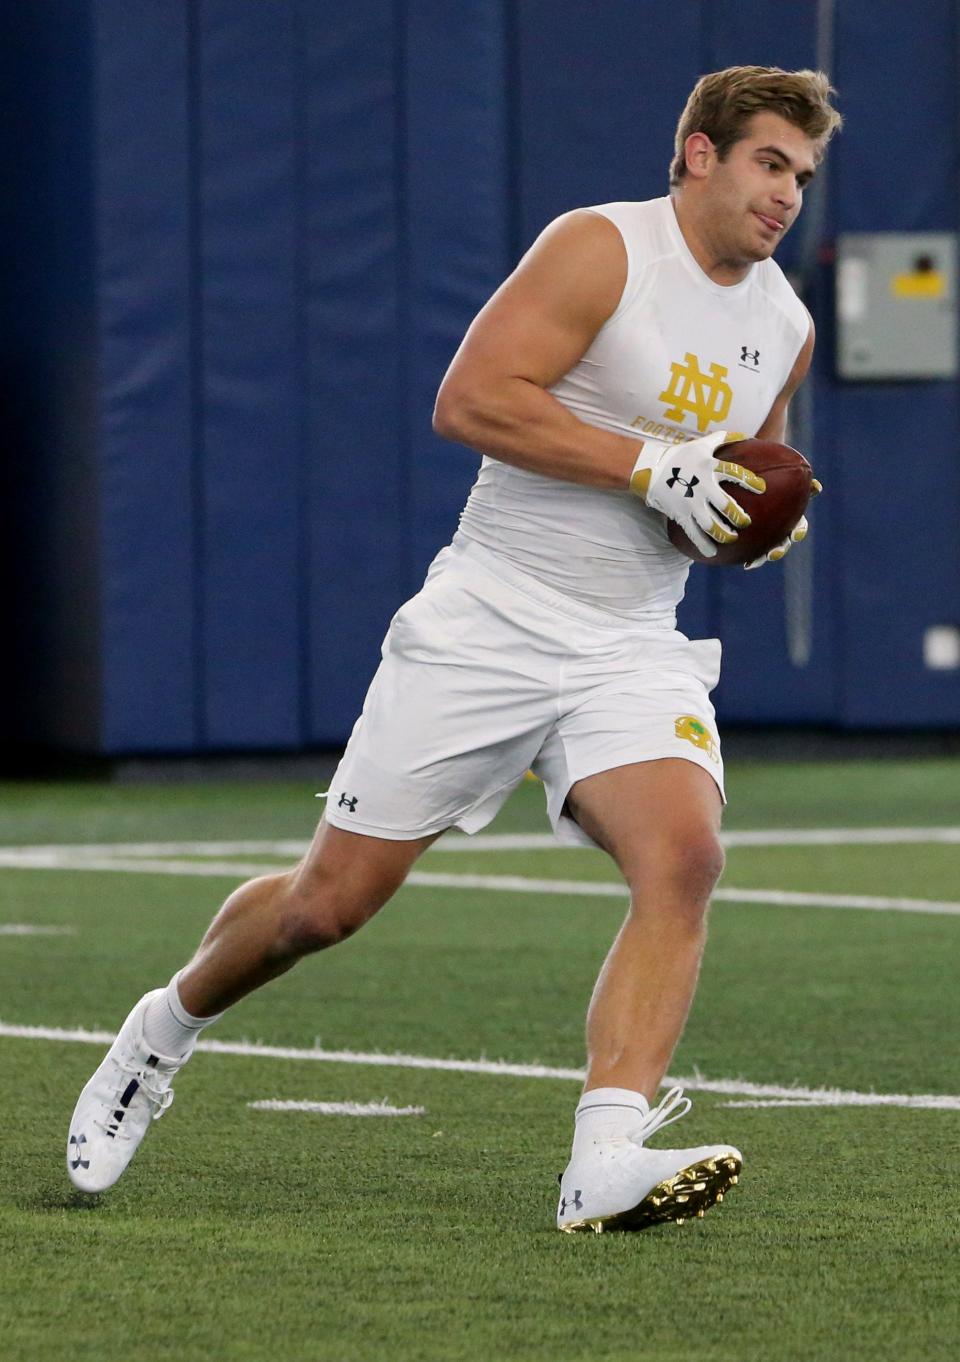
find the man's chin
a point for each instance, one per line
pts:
(761, 251)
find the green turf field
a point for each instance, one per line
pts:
(242, 1233)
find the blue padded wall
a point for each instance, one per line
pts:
(49, 507)
(248, 432)
(354, 484)
(280, 221)
(896, 444)
(144, 277)
(600, 92)
(455, 229)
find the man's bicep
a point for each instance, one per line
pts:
(775, 425)
(546, 314)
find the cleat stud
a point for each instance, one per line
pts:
(699, 1186)
(735, 1178)
(680, 1220)
(700, 1214)
(719, 1196)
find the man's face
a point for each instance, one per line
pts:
(755, 194)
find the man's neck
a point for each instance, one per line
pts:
(710, 260)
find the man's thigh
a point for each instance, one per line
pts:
(457, 711)
(649, 812)
(645, 704)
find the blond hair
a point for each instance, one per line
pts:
(721, 105)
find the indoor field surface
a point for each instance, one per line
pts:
(361, 1162)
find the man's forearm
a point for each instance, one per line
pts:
(522, 424)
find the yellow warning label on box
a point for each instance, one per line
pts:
(919, 284)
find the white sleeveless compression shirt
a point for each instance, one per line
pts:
(679, 357)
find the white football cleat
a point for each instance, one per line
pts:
(129, 1090)
(620, 1185)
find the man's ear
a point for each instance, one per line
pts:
(700, 154)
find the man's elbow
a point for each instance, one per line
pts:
(450, 413)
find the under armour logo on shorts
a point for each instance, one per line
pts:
(348, 802)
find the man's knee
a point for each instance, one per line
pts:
(319, 910)
(679, 872)
(321, 904)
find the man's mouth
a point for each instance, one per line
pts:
(773, 224)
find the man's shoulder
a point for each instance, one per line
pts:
(644, 225)
(632, 211)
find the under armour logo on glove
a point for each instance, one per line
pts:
(76, 1152)
(672, 482)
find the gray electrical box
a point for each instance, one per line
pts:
(896, 305)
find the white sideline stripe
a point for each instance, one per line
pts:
(838, 837)
(874, 903)
(518, 884)
(33, 929)
(725, 1087)
(337, 1108)
(507, 841)
(853, 1099)
(53, 859)
(762, 837)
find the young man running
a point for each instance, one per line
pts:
(599, 384)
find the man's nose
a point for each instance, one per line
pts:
(788, 194)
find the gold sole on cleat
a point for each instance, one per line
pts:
(690, 1192)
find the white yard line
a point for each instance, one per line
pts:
(506, 841)
(792, 1095)
(337, 1108)
(62, 858)
(839, 837)
(762, 837)
(519, 884)
(33, 929)
(51, 858)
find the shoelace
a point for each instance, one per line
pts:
(158, 1099)
(670, 1109)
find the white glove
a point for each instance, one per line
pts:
(796, 536)
(683, 483)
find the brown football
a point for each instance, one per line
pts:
(773, 513)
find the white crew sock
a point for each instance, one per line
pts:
(168, 1028)
(606, 1114)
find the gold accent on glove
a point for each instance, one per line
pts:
(640, 482)
(735, 472)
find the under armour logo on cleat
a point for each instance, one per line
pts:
(76, 1152)
(672, 482)
(573, 1201)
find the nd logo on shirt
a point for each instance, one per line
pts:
(691, 392)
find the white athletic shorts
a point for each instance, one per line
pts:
(487, 674)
